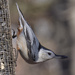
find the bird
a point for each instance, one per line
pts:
(31, 50)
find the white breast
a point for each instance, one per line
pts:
(21, 42)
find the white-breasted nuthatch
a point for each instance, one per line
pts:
(28, 45)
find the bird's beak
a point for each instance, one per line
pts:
(61, 56)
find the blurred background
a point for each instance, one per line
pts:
(53, 22)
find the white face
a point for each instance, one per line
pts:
(45, 55)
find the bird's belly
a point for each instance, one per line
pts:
(21, 43)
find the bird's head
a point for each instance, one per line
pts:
(46, 54)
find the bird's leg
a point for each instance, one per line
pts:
(18, 48)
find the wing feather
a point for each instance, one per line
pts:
(31, 39)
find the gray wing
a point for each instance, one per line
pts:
(31, 39)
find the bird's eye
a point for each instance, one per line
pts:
(49, 53)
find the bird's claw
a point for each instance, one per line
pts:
(14, 34)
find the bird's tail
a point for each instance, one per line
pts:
(22, 20)
(20, 13)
